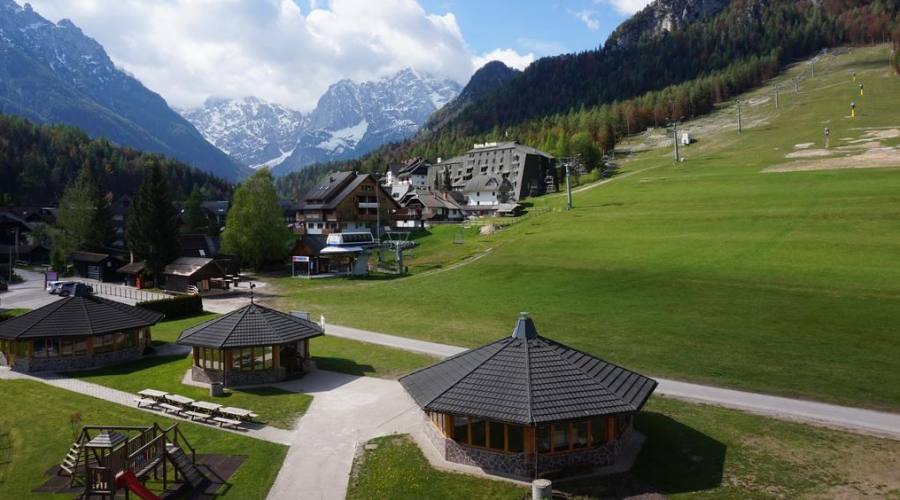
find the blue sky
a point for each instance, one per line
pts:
(539, 27)
(291, 51)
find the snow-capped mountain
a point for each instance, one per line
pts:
(349, 120)
(352, 119)
(254, 132)
(54, 73)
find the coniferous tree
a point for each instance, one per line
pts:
(255, 227)
(151, 225)
(194, 218)
(447, 183)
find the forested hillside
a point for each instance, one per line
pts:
(38, 161)
(643, 76)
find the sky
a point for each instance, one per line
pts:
(290, 51)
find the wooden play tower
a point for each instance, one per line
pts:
(106, 459)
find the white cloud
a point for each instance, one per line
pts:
(508, 57)
(588, 17)
(626, 6)
(188, 50)
(542, 47)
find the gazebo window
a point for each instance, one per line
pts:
(252, 358)
(579, 435)
(515, 438)
(461, 429)
(498, 436)
(478, 432)
(210, 359)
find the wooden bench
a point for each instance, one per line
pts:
(228, 422)
(145, 401)
(197, 414)
(167, 407)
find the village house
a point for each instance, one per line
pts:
(530, 172)
(346, 202)
(76, 333)
(413, 173)
(526, 405)
(96, 266)
(185, 274)
(422, 208)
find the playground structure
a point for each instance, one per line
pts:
(107, 459)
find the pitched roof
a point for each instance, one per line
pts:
(79, 316)
(329, 193)
(133, 268)
(251, 325)
(188, 266)
(527, 379)
(91, 257)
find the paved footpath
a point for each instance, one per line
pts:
(872, 422)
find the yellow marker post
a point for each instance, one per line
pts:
(861, 93)
(852, 110)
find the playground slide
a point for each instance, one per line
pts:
(127, 479)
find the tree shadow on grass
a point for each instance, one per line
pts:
(343, 365)
(677, 458)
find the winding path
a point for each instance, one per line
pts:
(878, 423)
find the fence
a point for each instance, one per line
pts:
(127, 292)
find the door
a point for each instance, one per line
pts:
(94, 272)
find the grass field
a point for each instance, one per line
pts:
(359, 358)
(275, 407)
(709, 271)
(35, 435)
(692, 451)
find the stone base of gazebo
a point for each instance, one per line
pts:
(520, 465)
(238, 379)
(76, 363)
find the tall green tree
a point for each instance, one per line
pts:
(447, 184)
(151, 225)
(255, 228)
(84, 219)
(194, 219)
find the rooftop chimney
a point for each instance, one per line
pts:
(525, 328)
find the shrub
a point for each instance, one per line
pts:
(181, 306)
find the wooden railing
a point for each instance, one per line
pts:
(111, 290)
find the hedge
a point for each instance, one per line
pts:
(182, 306)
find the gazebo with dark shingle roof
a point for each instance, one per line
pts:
(251, 345)
(526, 402)
(76, 333)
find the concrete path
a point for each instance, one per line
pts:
(123, 398)
(346, 412)
(859, 420)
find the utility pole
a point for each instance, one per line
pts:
(568, 186)
(776, 97)
(827, 136)
(740, 127)
(675, 136)
(812, 65)
(796, 84)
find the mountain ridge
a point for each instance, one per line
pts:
(54, 73)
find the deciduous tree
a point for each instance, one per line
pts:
(255, 227)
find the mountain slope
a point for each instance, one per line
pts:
(487, 79)
(54, 73)
(251, 130)
(352, 119)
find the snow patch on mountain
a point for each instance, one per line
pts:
(345, 138)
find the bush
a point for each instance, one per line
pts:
(182, 306)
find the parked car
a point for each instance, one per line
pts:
(75, 289)
(54, 286)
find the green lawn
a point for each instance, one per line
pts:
(709, 271)
(274, 406)
(398, 470)
(35, 435)
(360, 358)
(692, 451)
(168, 331)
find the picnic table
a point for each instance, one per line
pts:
(167, 407)
(153, 394)
(204, 405)
(240, 413)
(181, 400)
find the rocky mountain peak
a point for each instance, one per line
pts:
(663, 16)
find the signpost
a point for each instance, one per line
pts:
(827, 136)
(300, 258)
